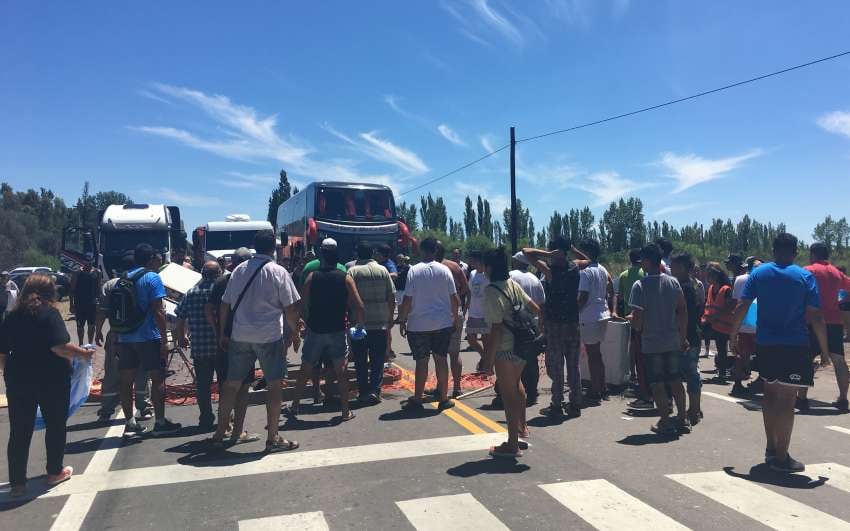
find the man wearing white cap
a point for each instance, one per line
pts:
(532, 287)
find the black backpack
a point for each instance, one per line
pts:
(528, 341)
(122, 304)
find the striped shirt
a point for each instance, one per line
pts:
(376, 289)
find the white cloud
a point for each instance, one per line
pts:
(450, 135)
(169, 195)
(498, 202)
(372, 145)
(837, 122)
(561, 175)
(582, 12)
(689, 170)
(487, 143)
(150, 95)
(479, 18)
(246, 136)
(673, 209)
(393, 101)
(607, 186)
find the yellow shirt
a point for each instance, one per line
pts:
(498, 309)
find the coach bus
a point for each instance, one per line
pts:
(346, 212)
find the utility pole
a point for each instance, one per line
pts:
(513, 193)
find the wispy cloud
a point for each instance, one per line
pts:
(150, 95)
(673, 209)
(607, 186)
(450, 135)
(558, 174)
(370, 144)
(242, 134)
(498, 202)
(689, 170)
(837, 122)
(480, 19)
(582, 12)
(188, 199)
(393, 101)
(487, 143)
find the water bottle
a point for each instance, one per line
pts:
(357, 333)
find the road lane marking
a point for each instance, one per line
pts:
(467, 423)
(77, 506)
(281, 462)
(314, 521)
(839, 429)
(763, 505)
(482, 419)
(609, 508)
(458, 512)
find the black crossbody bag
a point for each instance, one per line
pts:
(528, 341)
(228, 327)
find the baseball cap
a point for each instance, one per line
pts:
(328, 243)
(521, 258)
(241, 254)
(4, 273)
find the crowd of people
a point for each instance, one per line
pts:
(770, 317)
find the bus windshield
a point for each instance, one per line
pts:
(116, 242)
(351, 204)
(226, 240)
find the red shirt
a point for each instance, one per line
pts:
(829, 280)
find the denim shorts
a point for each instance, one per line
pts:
(689, 367)
(662, 367)
(327, 347)
(243, 355)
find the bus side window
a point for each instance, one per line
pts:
(350, 208)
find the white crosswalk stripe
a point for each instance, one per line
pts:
(759, 503)
(839, 429)
(609, 508)
(314, 521)
(459, 512)
(838, 475)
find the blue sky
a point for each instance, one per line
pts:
(202, 106)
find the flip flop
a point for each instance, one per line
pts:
(346, 418)
(280, 445)
(244, 437)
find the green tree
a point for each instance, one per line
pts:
(469, 220)
(407, 213)
(278, 197)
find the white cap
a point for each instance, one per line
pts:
(328, 243)
(521, 258)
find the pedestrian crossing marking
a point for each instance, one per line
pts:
(839, 429)
(838, 476)
(608, 508)
(314, 521)
(458, 512)
(759, 503)
(282, 462)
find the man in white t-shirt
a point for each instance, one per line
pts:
(476, 328)
(533, 287)
(745, 346)
(428, 317)
(594, 287)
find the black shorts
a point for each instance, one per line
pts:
(144, 355)
(85, 315)
(834, 340)
(786, 364)
(423, 344)
(662, 367)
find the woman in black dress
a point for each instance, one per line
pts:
(35, 355)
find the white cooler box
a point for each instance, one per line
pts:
(615, 354)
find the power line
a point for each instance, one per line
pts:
(627, 114)
(461, 168)
(691, 97)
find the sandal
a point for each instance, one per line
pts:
(280, 445)
(244, 437)
(63, 475)
(523, 445)
(504, 451)
(350, 415)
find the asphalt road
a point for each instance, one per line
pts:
(390, 470)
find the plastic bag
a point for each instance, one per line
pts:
(81, 377)
(752, 316)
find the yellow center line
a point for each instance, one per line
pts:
(407, 379)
